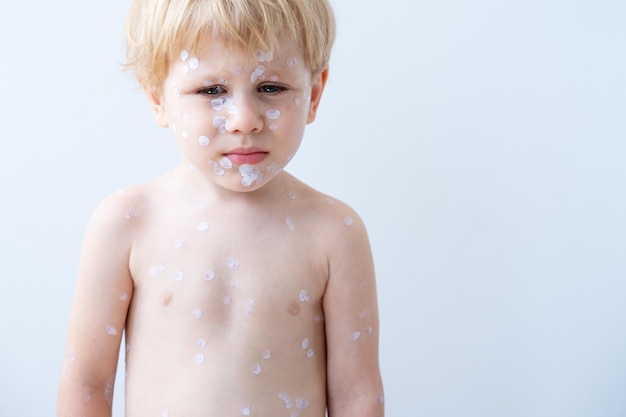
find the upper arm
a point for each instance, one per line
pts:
(351, 316)
(102, 295)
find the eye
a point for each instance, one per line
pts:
(212, 90)
(271, 89)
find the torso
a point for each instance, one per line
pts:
(226, 316)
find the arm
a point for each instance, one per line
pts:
(97, 318)
(351, 314)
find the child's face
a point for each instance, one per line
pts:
(238, 119)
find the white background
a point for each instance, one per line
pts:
(483, 142)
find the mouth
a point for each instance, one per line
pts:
(248, 156)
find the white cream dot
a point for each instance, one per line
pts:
(303, 295)
(310, 353)
(197, 313)
(111, 331)
(290, 223)
(348, 221)
(227, 299)
(292, 195)
(209, 275)
(237, 70)
(355, 336)
(273, 114)
(194, 63)
(369, 330)
(226, 163)
(305, 343)
(256, 369)
(218, 171)
(179, 243)
(185, 70)
(165, 413)
(246, 411)
(266, 354)
(301, 403)
(203, 226)
(204, 140)
(177, 276)
(232, 263)
(199, 358)
(123, 297)
(365, 312)
(201, 343)
(184, 55)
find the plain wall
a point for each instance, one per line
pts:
(483, 142)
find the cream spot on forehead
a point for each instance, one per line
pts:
(264, 56)
(209, 275)
(236, 70)
(273, 114)
(184, 55)
(292, 61)
(204, 140)
(258, 72)
(203, 226)
(274, 78)
(194, 63)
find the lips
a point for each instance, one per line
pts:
(249, 156)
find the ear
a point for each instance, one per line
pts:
(156, 100)
(317, 88)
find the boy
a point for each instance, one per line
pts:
(242, 291)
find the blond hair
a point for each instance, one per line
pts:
(157, 30)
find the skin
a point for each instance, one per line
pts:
(239, 295)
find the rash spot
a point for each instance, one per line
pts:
(293, 308)
(166, 298)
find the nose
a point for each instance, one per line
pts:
(245, 117)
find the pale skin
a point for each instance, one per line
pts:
(242, 291)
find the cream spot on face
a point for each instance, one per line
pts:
(203, 226)
(290, 223)
(355, 336)
(258, 72)
(201, 343)
(194, 63)
(292, 61)
(209, 275)
(204, 140)
(221, 103)
(236, 70)
(232, 262)
(274, 168)
(297, 101)
(185, 70)
(197, 313)
(303, 295)
(186, 117)
(179, 243)
(246, 411)
(184, 55)
(256, 369)
(249, 175)
(273, 114)
(111, 331)
(272, 127)
(226, 163)
(199, 358)
(185, 135)
(176, 92)
(220, 123)
(177, 276)
(348, 221)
